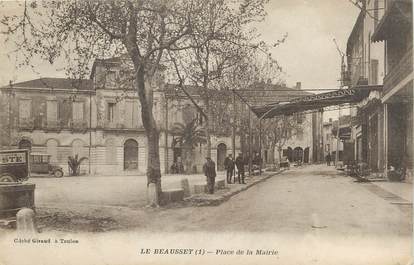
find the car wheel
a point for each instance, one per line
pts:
(7, 178)
(58, 173)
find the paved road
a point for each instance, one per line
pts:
(309, 215)
(295, 201)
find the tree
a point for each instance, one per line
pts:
(7, 133)
(74, 164)
(279, 131)
(208, 59)
(189, 135)
(80, 31)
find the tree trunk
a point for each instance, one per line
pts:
(279, 150)
(146, 100)
(272, 154)
(207, 129)
(187, 157)
(152, 133)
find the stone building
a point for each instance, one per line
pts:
(379, 52)
(306, 145)
(394, 30)
(365, 61)
(99, 118)
(330, 139)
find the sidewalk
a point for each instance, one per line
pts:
(400, 189)
(222, 195)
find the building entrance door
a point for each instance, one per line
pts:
(130, 155)
(25, 144)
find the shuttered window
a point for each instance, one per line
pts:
(51, 110)
(25, 106)
(77, 111)
(133, 114)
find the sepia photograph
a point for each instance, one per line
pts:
(206, 132)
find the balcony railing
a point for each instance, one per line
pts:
(110, 125)
(52, 125)
(79, 125)
(26, 123)
(398, 72)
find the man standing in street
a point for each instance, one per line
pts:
(240, 168)
(328, 159)
(209, 169)
(229, 166)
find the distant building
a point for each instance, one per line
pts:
(306, 145)
(330, 140)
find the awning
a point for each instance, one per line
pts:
(398, 14)
(315, 101)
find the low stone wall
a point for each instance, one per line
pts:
(172, 195)
(202, 187)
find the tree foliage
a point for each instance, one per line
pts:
(202, 39)
(280, 130)
(189, 136)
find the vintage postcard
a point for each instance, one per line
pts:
(206, 132)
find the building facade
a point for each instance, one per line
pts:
(394, 30)
(379, 53)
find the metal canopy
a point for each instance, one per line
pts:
(313, 102)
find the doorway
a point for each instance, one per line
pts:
(25, 144)
(130, 155)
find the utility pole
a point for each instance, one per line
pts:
(166, 134)
(339, 106)
(250, 143)
(260, 146)
(90, 130)
(234, 127)
(250, 130)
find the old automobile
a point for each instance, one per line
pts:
(40, 164)
(14, 165)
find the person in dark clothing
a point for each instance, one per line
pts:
(229, 166)
(328, 159)
(209, 169)
(240, 168)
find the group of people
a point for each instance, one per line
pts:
(177, 167)
(209, 169)
(230, 164)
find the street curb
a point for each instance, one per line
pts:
(197, 201)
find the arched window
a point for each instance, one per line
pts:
(25, 144)
(130, 154)
(78, 148)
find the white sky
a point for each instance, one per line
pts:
(309, 55)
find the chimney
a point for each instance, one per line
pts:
(298, 85)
